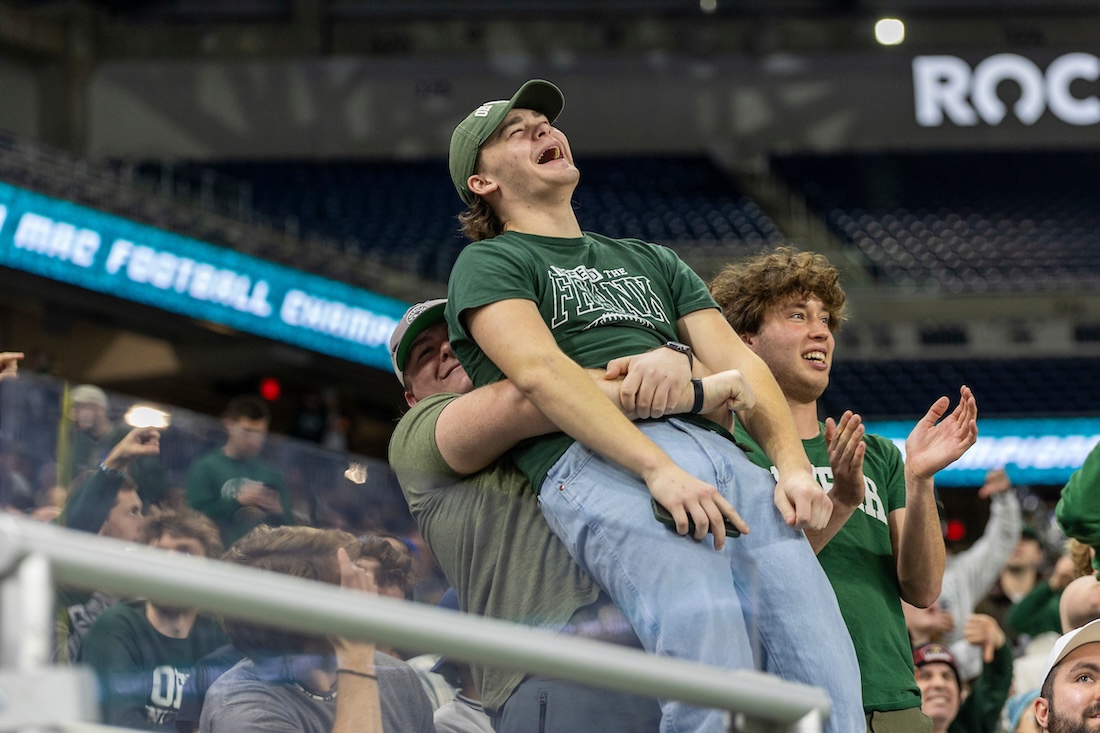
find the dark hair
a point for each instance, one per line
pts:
(746, 290)
(1047, 690)
(396, 566)
(301, 552)
(183, 523)
(479, 221)
(248, 407)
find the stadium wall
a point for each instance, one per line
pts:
(738, 107)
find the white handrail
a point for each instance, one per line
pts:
(89, 562)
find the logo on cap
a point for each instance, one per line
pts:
(415, 312)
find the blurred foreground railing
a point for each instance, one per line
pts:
(34, 556)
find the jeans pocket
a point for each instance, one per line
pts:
(572, 462)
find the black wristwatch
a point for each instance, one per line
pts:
(683, 349)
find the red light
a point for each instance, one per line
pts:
(270, 389)
(956, 530)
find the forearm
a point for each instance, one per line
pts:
(980, 564)
(358, 708)
(921, 553)
(1004, 527)
(991, 690)
(477, 428)
(566, 395)
(90, 505)
(841, 514)
(770, 423)
(513, 335)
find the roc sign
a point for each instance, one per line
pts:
(946, 88)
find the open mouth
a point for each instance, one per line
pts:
(550, 154)
(815, 356)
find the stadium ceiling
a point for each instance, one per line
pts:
(147, 29)
(273, 10)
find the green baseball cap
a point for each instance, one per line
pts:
(471, 134)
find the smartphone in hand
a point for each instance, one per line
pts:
(665, 517)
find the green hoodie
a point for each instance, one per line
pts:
(1078, 511)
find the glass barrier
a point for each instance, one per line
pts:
(43, 447)
(56, 446)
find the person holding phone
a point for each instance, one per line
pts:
(234, 485)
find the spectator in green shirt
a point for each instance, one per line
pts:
(142, 651)
(233, 485)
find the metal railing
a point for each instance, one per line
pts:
(34, 556)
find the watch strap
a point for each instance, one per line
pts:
(683, 349)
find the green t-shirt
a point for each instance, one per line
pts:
(141, 671)
(213, 482)
(859, 562)
(602, 298)
(488, 535)
(1078, 509)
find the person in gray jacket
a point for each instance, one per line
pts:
(970, 573)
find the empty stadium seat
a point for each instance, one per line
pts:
(961, 221)
(403, 213)
(1014, 387)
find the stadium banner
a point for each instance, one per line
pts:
(734, 106)
(74, 244)
(1041, 451)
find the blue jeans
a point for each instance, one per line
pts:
(686, 600)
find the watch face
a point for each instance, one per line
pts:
(676, 346)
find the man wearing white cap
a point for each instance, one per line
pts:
(1070, 698)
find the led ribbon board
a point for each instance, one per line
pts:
(1037, 451)
(74, 244)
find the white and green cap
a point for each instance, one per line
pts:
(411, 325)
(1087, 634)
(471, 134)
